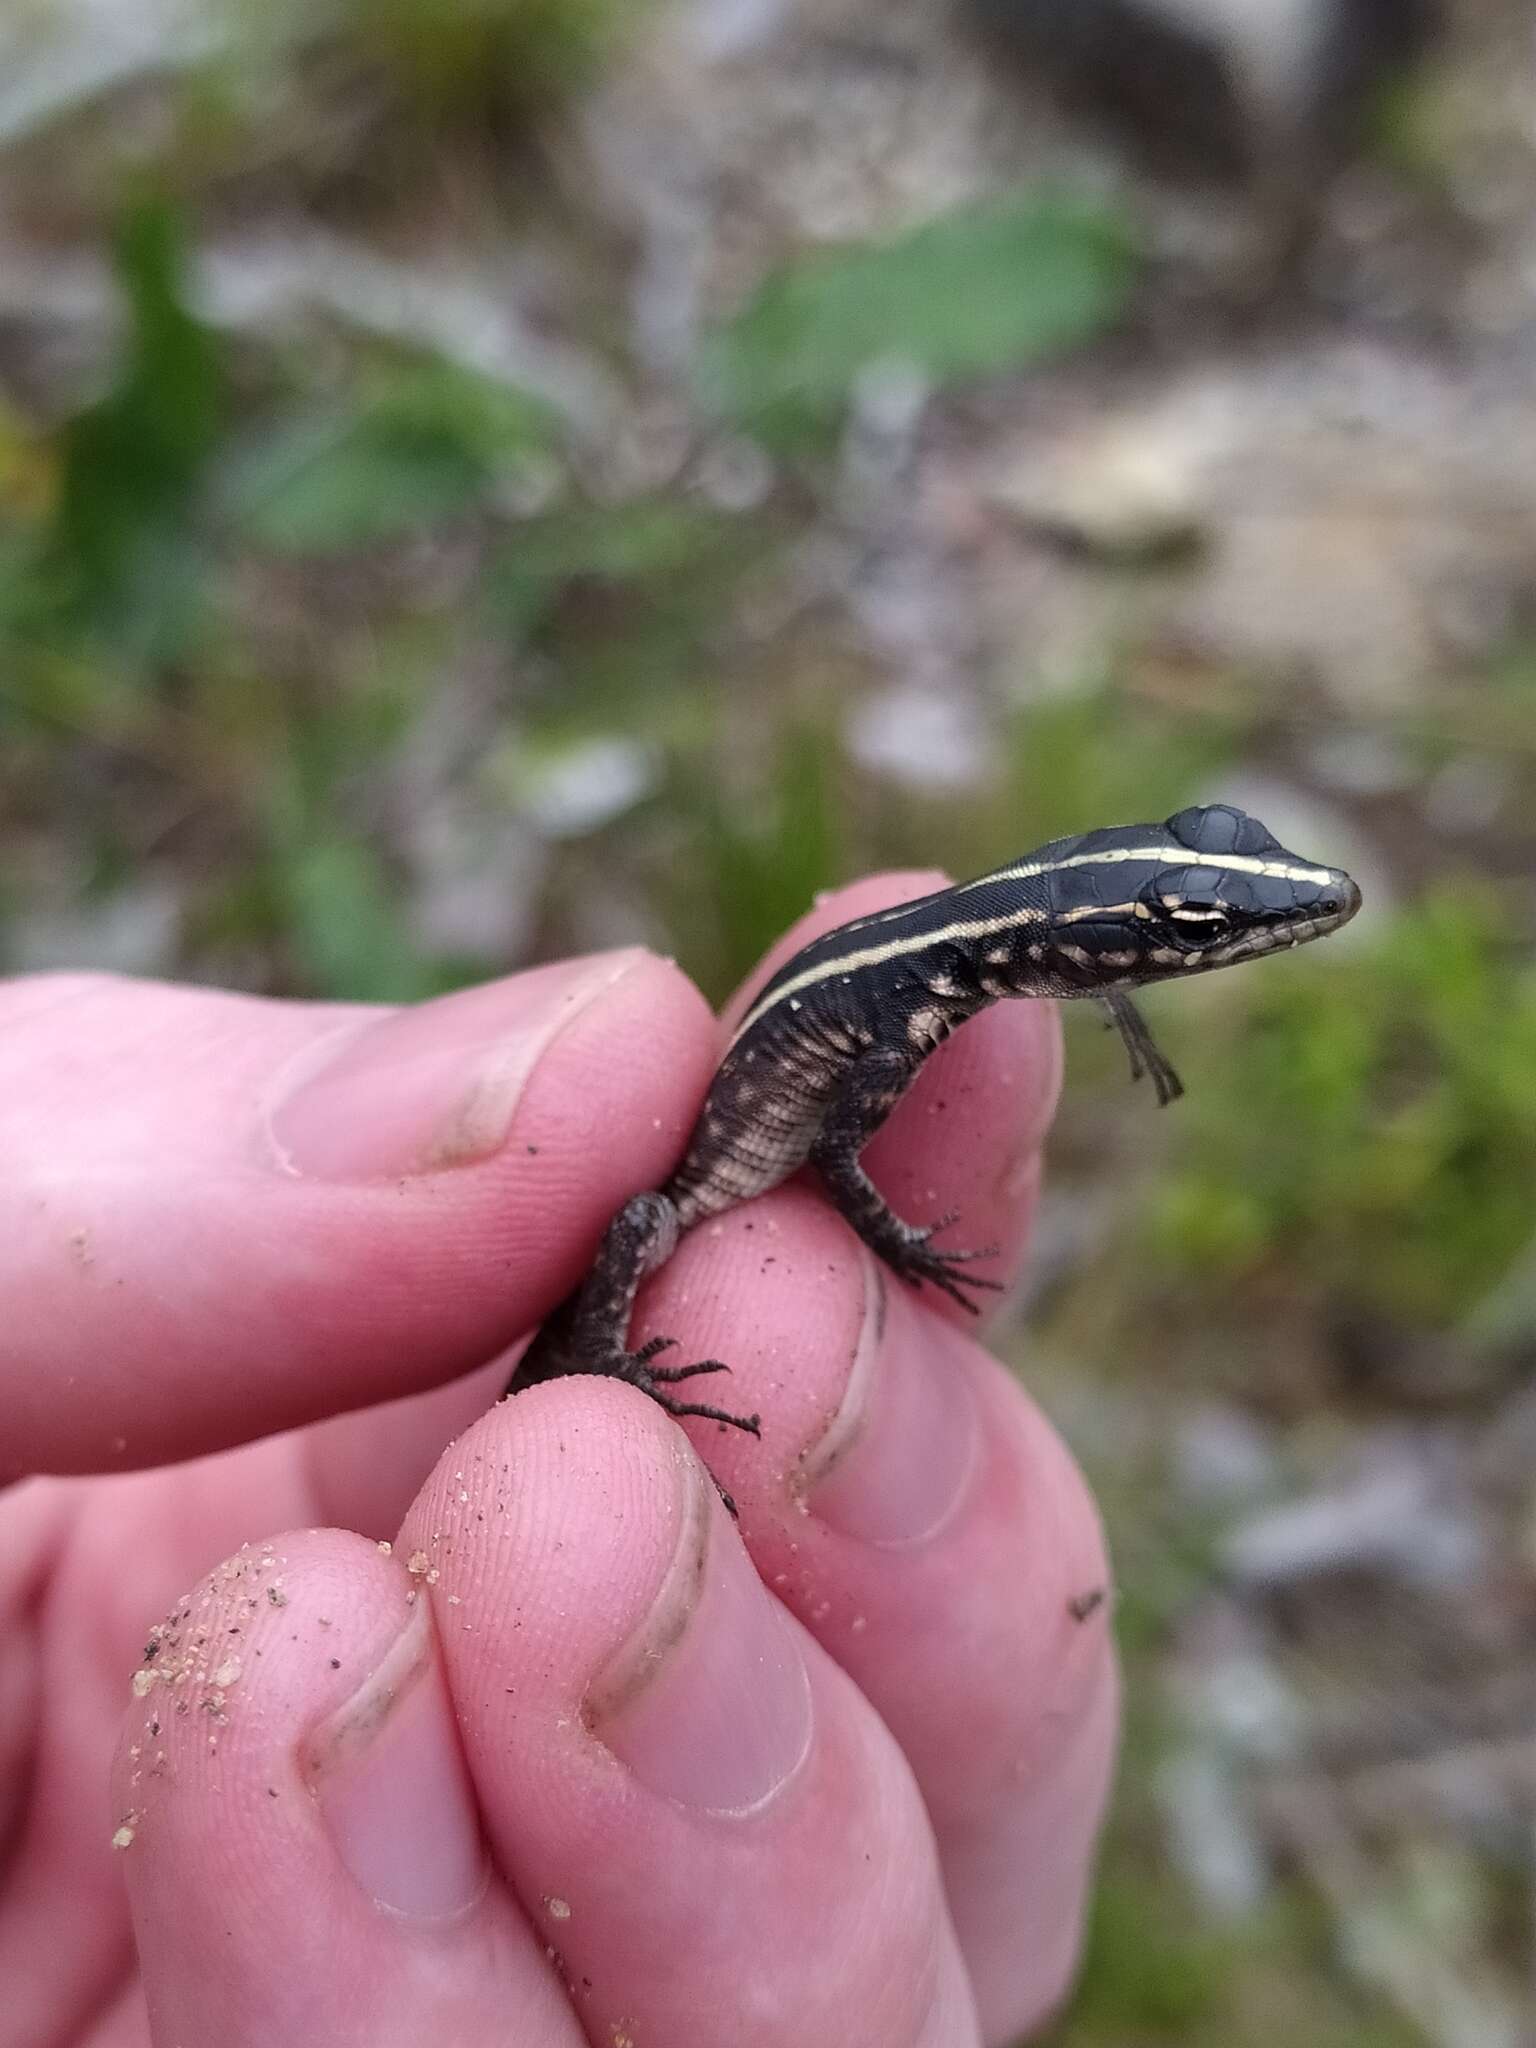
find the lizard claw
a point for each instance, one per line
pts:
(653, 1350)
(915, 1259)
(636, 1368)
(669, 1375)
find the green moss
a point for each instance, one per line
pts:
(123, 560)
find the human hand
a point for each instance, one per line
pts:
(558, 1769)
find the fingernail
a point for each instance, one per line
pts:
(389, 1777)
(434, 1086)
(898, 1457)
(1019, 1185)
(710, 1702)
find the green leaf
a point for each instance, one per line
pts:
(425, 441)
(636, 541)
(121, 557)
(988, 287)
(346, 928)
(372, 483)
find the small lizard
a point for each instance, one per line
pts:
(834, 1039)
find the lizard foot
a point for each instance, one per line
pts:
(635, 1367)
(916, 1259)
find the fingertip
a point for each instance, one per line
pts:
(220, 1687)
(653, 1735)
(919, 1513)
(292, 1746)
(558, 1513)
(775, 1289)
(969, 1133)
(451, 1083)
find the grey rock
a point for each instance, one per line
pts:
(134, 929)
(1213, 1834)
(1126, 489)
(1396, 1515)
(1223, 1455)
(923, 738)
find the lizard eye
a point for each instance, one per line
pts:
(1185, 902)
(1210, 915)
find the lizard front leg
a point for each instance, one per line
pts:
(1142, 1048)
(590, 1331)
(867, 1094)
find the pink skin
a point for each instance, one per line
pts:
(579, 1760)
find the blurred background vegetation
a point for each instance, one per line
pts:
(484, 480)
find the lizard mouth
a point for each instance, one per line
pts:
(1339, 906)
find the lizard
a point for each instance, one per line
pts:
(834, 1038)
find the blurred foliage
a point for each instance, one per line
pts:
(620, 597)
(469, 63)
(1099, 753)
(1386, 1154)
(122, 556)
(455, 56)
(1148, 1965)
(268, 607)
(1157, 1971)
(416, 442)
(760, 859)
(1412, 123)
(992, 286)
(344, 924)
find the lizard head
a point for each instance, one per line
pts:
(1135, 904)
(1224, 889)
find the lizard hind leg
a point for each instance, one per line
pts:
(871, 1089)
(590, 1331)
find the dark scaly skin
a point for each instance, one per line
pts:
(838, 1034)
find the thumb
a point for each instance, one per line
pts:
(222, 1216)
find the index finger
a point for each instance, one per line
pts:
(223, 1216)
